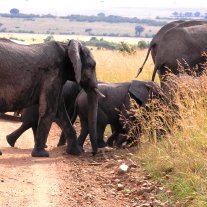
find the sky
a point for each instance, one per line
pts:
(65, 7)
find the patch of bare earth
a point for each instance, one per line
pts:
(65, 180)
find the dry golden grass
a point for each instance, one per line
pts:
(115, 66)
(179, 160)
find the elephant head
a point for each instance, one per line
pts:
(142, 91)
(85, 75)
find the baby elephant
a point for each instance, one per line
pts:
(117, 99)
(30, 114)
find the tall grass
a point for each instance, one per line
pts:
(115, 66)
(179, 159)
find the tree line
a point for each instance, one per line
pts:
(101, 17)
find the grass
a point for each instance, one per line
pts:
(114, 66)
(179, 160)
(38, 38)
(58, 26)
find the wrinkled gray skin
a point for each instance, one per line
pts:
(165, 46)
(156, 40)
(35, 74)
(117, 100)
(30, 116)
(183, 44)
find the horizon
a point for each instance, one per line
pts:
(116, 7)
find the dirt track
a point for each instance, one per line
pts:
(64, 180)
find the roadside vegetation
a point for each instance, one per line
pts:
(178, 160)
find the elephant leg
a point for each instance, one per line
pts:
(34, 130)
(62, 140)
(120, 140)
(65, 124)
(100, 136)
(84, 132)
(12, 138)
(111, 139)
(41, 137)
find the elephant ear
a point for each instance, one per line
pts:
(74, 48)
(139, 91)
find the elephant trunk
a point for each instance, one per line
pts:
(92, 118)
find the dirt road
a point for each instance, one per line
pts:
(65, 180)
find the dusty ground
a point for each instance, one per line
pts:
(65, 180)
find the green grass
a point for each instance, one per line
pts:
(179, 160)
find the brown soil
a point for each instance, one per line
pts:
(65, 180)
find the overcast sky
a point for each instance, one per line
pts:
(64, 7)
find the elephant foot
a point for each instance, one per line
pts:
(110, 142)
(11, 141)
(61, 143)
(94, 153)
(39, 153)
(0, 152)
(74, 149)
(62, 140)
(101, 144)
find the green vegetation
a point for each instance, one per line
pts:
(101, 17)
(173, 140)
(122, 46)
(100, 25)
(113, 19)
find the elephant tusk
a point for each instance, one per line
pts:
(99, 93)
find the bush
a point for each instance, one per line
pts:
(142, 44)
(49, 38)
(124, 47)
(173, 138)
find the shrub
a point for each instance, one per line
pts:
(173, 138)
(143, 44)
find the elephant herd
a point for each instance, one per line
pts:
(56, 82)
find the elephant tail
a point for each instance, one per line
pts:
(148, 52)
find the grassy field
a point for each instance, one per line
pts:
(63, 26)
(38, 38)
(178, 162)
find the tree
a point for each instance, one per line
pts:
(14, 11)
(142, 44)
(88, 30)
(101, 14)
(49, 38)
(197, 14)
(175, 14)
(188, 14)
(138, 30)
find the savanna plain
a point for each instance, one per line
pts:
(174, 168)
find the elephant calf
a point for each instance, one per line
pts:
(30, 115)
(117, 100)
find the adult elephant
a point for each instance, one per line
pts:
(116, 101)
(30, 115)
(158, 38)
(35, 74)
(184, 45)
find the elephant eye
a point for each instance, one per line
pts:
(92, 65)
